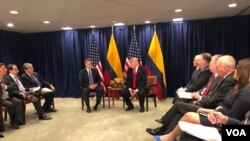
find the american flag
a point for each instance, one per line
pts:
(95, 57)
(134, 51)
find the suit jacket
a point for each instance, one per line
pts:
(29, 82)
(218, 91)
(236, 105)
(12, 87)
(201, 80)
(141, 78)
(84, 78)
(193, 77)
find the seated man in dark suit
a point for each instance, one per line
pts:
(202, 77)
(90, 81)
(16, 89)
(32, 79)
(14, 105)
(195, 72)
(136, 83)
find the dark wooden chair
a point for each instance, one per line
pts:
(151, 83)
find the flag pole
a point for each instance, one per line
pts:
(154, 27)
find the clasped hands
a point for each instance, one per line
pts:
(133, 92)
(92, 86)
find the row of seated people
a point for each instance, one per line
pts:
(227, 91)
(136, 82)
(15, 90)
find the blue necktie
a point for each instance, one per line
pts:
(90, 77)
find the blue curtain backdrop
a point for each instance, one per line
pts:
(58, 56)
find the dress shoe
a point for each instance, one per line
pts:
(154, 132)
(1, 136)
(46, 110)
(157, 138)
(142, 110)
(129, 108)
(21, 123)
(95, 107)
(159, 121)
(14, 126)
(44, 117)
(88, 110)
(52, 110)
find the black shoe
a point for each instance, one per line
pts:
(44, 117)
(88, 110)
(154, 132)
(21, 123)
(129, 108)
(159, 121)
(52, 110)
(95, 107)
(46, 110)
(14, 126)
(1, 136)
(142, 110)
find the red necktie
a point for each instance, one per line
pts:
(134, 78)
(211, 81)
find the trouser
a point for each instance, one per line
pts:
(99, 93)
(48, 100)
(15, 108)
(175, 113)
(126, 96)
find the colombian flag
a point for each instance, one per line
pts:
(155, 66)
(113, 61)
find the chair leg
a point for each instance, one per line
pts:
(123, 103)
(155, 101)
(103, 100)
(147, 102)
(82, 103)
(24, 110)
(5, 115)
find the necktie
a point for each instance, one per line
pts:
(134, 78)
(34, 78)
(211, 81)
(20, 86)
(90, 77)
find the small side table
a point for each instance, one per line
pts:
(111, 91)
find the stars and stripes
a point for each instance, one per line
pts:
(134, 51)
(95, 57)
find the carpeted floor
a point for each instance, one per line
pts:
(70, 123)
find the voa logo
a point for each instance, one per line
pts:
(236, 132)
